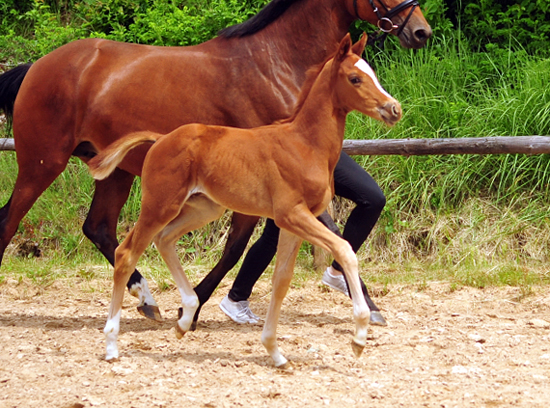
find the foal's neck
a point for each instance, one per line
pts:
(320, 121)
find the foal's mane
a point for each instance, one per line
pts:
(266, 16)
(311, 75)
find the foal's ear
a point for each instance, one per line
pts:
(359, 46)
(344, 48)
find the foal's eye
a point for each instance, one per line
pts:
(355, 80)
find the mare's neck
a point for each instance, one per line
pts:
(303, 36)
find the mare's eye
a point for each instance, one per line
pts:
(355, 80)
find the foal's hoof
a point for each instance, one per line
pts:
(179, 332)
(150, 312)
(193, 323)
(283, 366)
(357, 349)
(376, 319)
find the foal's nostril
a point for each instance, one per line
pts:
(396, 110)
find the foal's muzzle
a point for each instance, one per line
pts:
(391, 112)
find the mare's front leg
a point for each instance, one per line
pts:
(242, 227)
(287, 250)
(100, 228)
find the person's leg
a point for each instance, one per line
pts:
(353, 182)
(235, 304)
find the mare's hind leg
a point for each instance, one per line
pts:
(100, 228)
(37, 170)
(198, 211)
(242, 227)
(287, 250)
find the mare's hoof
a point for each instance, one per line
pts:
(150, 312)
(357, 349)
(376, 319)
(193, 326)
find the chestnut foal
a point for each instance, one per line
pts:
(282, 171)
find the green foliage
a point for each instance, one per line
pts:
(490, 24)
(164, 23)
(36, 27)
(40, 31)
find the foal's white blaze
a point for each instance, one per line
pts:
(363, 66)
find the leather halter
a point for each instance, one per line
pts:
(385, 23)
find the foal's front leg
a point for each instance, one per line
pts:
(287, 250)
(303, 223)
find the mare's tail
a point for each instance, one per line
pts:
(102, 165)
(10, 82)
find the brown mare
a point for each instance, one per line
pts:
(282, 171)
(83, 96)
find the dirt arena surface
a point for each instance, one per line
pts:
(442, 348)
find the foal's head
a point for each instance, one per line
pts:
(356, 86)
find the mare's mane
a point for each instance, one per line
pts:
(271, 12)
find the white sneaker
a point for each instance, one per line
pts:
(239, 312)
(336, 282)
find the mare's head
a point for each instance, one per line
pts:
(356, 86)
(402, 18)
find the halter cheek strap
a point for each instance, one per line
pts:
(385, 24)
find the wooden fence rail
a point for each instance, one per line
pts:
(423, 147)
(469, 145)
(7, 144)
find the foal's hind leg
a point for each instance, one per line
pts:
(287, 250)
(37, 170)
(242, 227)
(197, 212)
(100, 228)
(126, 257)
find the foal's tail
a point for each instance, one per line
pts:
(102, 165)
(10, 82)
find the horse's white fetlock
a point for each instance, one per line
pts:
(143, 293)
(112, 327)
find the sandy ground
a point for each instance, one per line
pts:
(442, 348)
